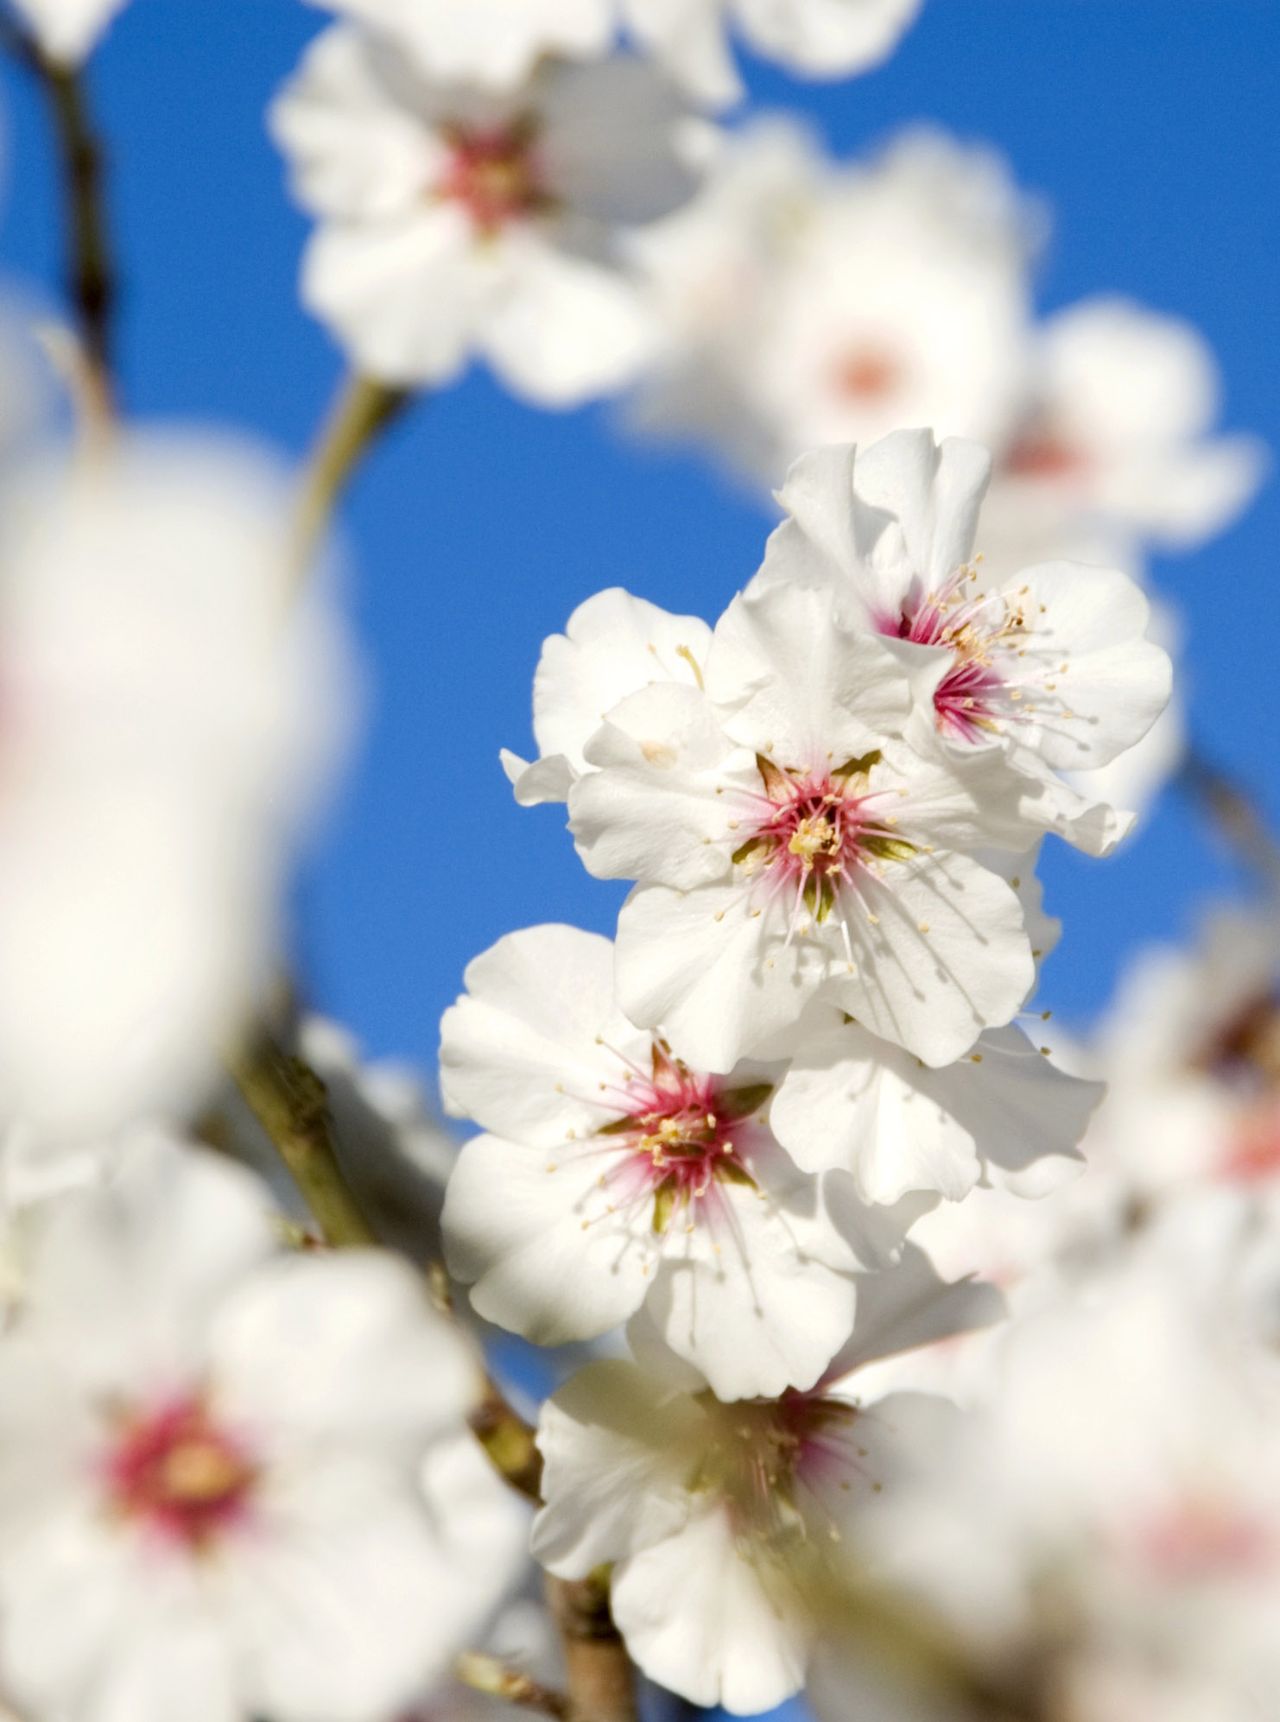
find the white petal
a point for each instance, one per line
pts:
(826, 38)
(488, 42)
(536, 1242)
(688, 36)
(535, 1049)
(946, 956)
(797, 685)
(700, 1617)
(314, 1349)
(906, 1305)
(614, 644)
(717, 978)
(618, 1445)
(655, 805)
(565, 328)
(405, 297)
(68, 29)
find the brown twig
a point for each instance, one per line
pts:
(291, 1103)
(601, 1676)
(509, 1442)
(90, 273)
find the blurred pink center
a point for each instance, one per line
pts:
(181, 1474)
(494, 175)
(867, 374)
(1043, 453)
(1200, 1540)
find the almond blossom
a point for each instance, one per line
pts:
(841, 301)
(1115, 435)
(617, 1177)
(1049, 666)
(458, 223)
(209, 1475)
(168, 725)
(790, 843)
(725, 1522)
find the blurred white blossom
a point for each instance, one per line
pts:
(459, 224)
(168, 722)
(209, 1478)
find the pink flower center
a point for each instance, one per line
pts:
(983, 632)
(867, 374)
(495, 175)
(1041, 452)
(818, 830)
(684, 1133)
(1200, 1540)
(1254, 1155)
(766, 1450)
(179, 1473)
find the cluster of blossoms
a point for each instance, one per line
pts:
(854, 1384)
(721, 1129)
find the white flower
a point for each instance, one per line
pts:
(613, 645)
(209, 1476)
(1116, 434)
(617, 1177)
(879, 295)
(30, 1176)
(1003, 1115)
(486, 42)
(460, 224)
(168, 719)
(789, 844)
(722, 1520)
(820, 38)
(1049, 664)
(67, 30)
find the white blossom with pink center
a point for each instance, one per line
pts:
(1049, 667)
(210, 1486)
(459, 223)
(617, 1177)
(1116, 437)
(790, 844)
(724, 1521)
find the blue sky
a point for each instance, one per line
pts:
(1149, 125)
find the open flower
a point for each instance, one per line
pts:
(726, 1522)
(617, 1176)
(209, 1476)
(1115, 436)
(789, 844)
(459, 223)
(1049, 665)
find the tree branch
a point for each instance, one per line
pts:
(487, 1674)
(363, 409)
(601, 1676)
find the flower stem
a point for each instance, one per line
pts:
(291, 1103)
(601, 1676)
(487, 1674)
(362, 410)
(90, 274)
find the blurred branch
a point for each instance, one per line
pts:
(1235, 812)
(602, 1679)
(362, 410)
(487, 1674)
(291, 1103)
(90, 274)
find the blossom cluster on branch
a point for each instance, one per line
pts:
(889, 1346)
